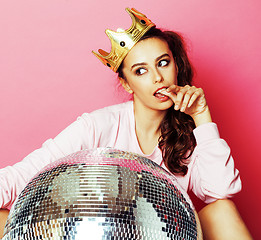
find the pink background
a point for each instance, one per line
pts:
(48, 75)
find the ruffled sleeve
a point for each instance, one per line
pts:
(212, 171)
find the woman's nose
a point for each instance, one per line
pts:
(157, 76)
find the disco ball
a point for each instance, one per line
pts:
(101, 194)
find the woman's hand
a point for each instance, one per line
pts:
(190, 100)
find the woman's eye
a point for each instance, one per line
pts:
(140, 71)
(163, 63)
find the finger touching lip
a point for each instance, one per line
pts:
(165, 92)
(173, 88)
(170, 94)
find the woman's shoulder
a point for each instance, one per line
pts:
(110, 113)
(107, 121)
(116, 109)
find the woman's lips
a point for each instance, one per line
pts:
(160, 90)
(159, 94)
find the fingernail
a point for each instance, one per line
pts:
(176, 107)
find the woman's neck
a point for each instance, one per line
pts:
(147, 127)
(148, 119)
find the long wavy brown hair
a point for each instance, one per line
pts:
(177, 141)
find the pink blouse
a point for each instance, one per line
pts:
(211, 171)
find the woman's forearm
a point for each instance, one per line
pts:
(3, 216)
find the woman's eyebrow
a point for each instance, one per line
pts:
(138, 64)
(143, 63)
(161, 56)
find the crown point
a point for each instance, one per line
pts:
(102, 52)
(122, 40)
(120, 30)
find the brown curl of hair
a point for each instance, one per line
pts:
(177, 141)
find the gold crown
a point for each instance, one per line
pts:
(122, 41)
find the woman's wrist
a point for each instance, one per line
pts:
(202, 117)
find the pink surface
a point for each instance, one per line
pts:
(48, 75)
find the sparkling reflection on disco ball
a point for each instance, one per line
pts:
(101, 194)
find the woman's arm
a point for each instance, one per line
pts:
(3, 217)
(212, 170)
(14, 178)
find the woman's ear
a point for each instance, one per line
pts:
(125, 85)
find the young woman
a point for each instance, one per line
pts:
(168, 121)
